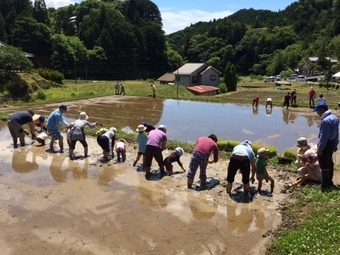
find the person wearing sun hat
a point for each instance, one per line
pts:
(328, 142)
(141, 140)
(242, 157)
(77, 133)
(39, 121)
(105, 140)
(155, 144)
(54, 122)
(303, 145)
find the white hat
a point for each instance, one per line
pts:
(262, 152)
(113, 129)
(140, 128)
(83, 116)
(310, 153)
(247, 142)
(162, 127)
(179, 151)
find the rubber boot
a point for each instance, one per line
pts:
(325, 179)
(189, 183)
(203, 185)
(229, 187)
(246, 187)
(272, 187)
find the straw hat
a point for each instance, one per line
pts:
(83, 116)
(140, 128)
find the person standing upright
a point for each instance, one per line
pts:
(312, 95)
(122, 89)
(117, 88)
(286, 100)
(293, 97)
(328, 142)
(54, 121)
(153, 90)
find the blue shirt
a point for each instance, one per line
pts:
(244, 149)
(22, 117)
(329, 130)
(54, 120)
(142, 139)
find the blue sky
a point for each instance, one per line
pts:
(178, 14)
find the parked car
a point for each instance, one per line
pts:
(293, 77)
(270, 79)
(278, 77)
(301, 78)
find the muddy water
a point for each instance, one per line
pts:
(50, 203)
(186, 120)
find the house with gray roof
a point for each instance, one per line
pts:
(193, 74)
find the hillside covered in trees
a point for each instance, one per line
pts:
(265, 42)
(115, 39)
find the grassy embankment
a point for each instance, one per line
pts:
(311, 223)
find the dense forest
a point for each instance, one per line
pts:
(116, 39)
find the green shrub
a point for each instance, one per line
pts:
(51, 75)
(222, 88)
(337, 86)
(41, 95)
(290, 154)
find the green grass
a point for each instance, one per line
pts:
(4, 116)
(313, 226)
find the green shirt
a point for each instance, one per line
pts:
(261, 164)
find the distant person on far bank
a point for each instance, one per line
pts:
(256, 101)
(312, 95)
(269, 102)
(286, 100)
(153, 90)
(321, 99)
(117, 88)
(328, 143)
(122, 89)
(15, 123)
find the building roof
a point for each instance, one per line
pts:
(167, 77)
(202, 88)
(189, 68)
(27, 55)
(210, 68)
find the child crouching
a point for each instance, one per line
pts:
(175, 156)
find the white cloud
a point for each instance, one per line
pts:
(174, 21)
(59, 3)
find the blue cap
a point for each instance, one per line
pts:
(42, 118)
(321, 106)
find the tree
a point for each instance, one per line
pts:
(230, 78)
(12, 58)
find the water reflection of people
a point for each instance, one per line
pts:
(77, 171)
(201, 207)
(240, 217)
(285, 115)
(255, 110)
(269, 111)
(21, 164)
(151, 194)
(107, 175)
(58, 174)
(292, 117)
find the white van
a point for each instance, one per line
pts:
(293, 77)
(301, 78)
(270, 79)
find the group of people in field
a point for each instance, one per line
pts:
(315, 161)
(290, 99)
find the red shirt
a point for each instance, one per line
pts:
(206, 145)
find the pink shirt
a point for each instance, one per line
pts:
(206, 145)
(156, 138)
